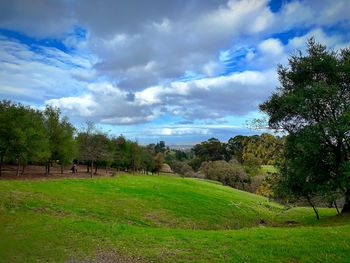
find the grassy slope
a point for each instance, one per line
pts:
(160, 219)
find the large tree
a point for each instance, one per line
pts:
(60, 133)
(22, 134)
(92, 145)
(312, 105)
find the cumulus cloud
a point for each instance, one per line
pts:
(207, 98)
(235, 94)
(104, 103)
(38, 73)
(131, 62)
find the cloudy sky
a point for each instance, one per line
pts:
(179, 70)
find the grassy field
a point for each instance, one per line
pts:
(159, 219)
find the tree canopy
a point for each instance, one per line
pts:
(312, 105)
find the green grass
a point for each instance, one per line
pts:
(161, 219)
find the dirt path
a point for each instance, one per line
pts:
(33, 172)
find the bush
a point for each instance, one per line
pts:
(182, 168)
(231, 174)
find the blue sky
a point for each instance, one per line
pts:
(179, 71)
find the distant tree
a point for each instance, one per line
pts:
(312, 105)
(195, 163)
(119, 153)
(235, 147)
(228, 173)
(180, 155)
(211, 150)
(158, 162)
(160, 147)
(266, 147)
(92, 145)
(182, 168)
(135, 155)
(60, 133)
(147, 161)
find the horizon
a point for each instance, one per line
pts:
(159, 71)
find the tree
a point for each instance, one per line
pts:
(312, 105)
(92, 145)
(182, 168)
(235, 147)
(22, 134)
(211, 150)
(160, 147)
(60, 133)
(147, 160)
(6, 122)
(231, 174)
(158, 162)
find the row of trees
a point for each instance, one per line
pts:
(28, 135)
(251, 151)
(45, 137)
(232, 163)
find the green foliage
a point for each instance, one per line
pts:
(60, 133)
(228, 173)
(22, 134)
(313, 106)
(211, 150)
(182, 168)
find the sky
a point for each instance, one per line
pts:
(178, 71)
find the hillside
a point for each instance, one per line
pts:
(159, 218)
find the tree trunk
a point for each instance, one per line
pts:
(95, 168)
(48, 168)
(61, 168)
(92, 166)
(346, 207)
(313, 207)
(336, 207)
(88, 168)
(23, 168)
(18, 165)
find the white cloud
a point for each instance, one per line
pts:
(272, 47)
(335, 41)
(215, 97)
(41, 73)
(139, 60)
(105, 103)
(78, 106)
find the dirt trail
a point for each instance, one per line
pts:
(33, 172)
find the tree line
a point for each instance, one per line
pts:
(233, 163)
(45, 137)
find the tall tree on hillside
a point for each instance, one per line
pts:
(312, 105)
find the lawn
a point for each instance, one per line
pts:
(159, 219)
